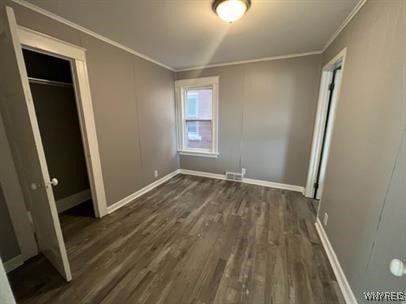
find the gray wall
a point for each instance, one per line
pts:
(364, 192)
(266, 118)
(8, 242)
(133, 102)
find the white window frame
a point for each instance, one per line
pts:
(180, 87)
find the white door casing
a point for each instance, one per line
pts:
(319, 126)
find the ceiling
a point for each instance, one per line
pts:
(186, 33)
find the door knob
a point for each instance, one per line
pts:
(397, 267)
(54, 182)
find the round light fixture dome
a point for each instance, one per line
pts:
(231, 10)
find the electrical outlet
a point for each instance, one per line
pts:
(156, 173)
(30, 218)
(243, 171)
(325, 218)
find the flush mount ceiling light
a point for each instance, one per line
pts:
(231, 10)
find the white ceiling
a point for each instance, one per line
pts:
(186, 33)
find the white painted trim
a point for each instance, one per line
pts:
(73, 200)
(78, 27)
(273, 185)
(142, 191)
(342, 281)
(347, 20)
(319, 124)
(201, 67)
(135, 195)
(13, 263)
(245, 180)
(39, 41)
(89, 136)
(202, 174)
(77, 56)
(180, 87)
(200, 154)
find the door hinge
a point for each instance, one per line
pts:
(331, 86)
(316, 185)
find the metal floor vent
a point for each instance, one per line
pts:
(234, 176)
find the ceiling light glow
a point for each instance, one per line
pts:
(231, 10)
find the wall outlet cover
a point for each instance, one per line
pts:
(325, 219)
(156, 173)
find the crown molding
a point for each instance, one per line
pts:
(78, 27)
(249, 61)
(347, 20)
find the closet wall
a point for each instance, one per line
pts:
(55, 107)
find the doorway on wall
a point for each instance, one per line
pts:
(30, 115)
(323, 130)
(52, 89)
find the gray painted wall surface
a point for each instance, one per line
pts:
(266, 118)
(365, 179)
(133, 103)
(8, 243)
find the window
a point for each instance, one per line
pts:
(196, 110)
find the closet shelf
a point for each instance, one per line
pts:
(49, 82)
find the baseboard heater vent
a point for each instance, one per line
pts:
(234, 176)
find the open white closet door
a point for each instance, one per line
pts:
(22, 129)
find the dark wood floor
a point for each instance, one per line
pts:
(191, 240)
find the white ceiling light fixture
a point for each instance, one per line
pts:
(231, 10)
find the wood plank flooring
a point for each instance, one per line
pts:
(191, 240)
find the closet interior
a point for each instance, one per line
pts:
(53, 93)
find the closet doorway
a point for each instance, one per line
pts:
(329, 92)
(26, 132)
(53, 95)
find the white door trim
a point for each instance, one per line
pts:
(319, 125)
(77, 56)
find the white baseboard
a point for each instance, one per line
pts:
(140, 192)
(13, 263)
(73, 200)
(342, 281)
(245, 180)
(151, 186)
(202, 174)
(273, 185)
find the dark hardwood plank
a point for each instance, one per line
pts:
(190, 240)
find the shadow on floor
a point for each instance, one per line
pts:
(36, 274)
(83, 210)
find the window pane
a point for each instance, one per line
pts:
(198, 103)
(192, 106)
(198, 134)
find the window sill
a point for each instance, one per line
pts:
(200, 154)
